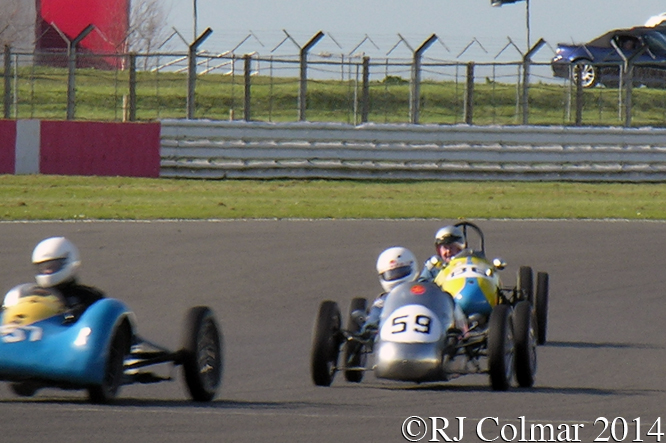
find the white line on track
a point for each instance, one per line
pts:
(228, 220)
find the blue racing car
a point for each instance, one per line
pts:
(43, 345)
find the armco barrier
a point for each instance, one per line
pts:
(218, 149)
(80, 148)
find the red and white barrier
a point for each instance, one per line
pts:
(80, 148)
(7, 146)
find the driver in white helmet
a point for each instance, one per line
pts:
(449, 242)
(395, 265)
(57, 260)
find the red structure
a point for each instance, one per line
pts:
(80, 148)
(61, 21)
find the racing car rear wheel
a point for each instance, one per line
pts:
(541, 306)
(354, 355)
(113, 373)
(525, 343)
(500, 348)
(525, 284)
(326, 344)
(24, 388)
(202, 354)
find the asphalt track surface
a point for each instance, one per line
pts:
(265, 279)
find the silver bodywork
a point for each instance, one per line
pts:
(410, 361)
(417, 335)
(423, 335)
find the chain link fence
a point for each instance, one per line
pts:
(309, 87)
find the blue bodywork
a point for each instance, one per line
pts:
(472, 300)
(648, 55)
(57, 352)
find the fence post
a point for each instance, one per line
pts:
(303, 76)
(192, 72)
(628, 88)
(415, 102)
(132, 87)
(191, 81)
(415, 97)
(627, 72)
(71, 71)
(578, 71)
(302, 85)
(71, 83)
(7, 96)
(247, 58)
(365, 90)
(527, 61)
(524, 98)
(469, 94)
(628, 67)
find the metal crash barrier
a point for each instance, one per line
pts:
(221, 149)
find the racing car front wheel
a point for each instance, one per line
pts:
(202, 354)
(354, 354)
(541, 306)
(525, 284)
(326, 341)
(113, 372)
(525, 343)
(500, 348)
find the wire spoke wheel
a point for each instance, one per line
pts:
(500, 348)
(525, 337)
(114, 369)
(202, 354)
(325, 344)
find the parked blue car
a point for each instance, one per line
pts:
(601, 60)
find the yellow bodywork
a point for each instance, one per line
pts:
(31, 308)
(472, 281)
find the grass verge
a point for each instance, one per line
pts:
(44, 197)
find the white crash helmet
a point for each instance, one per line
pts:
(57, 260)
(396, 265)
(450, 235)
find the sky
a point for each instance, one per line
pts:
(380, 27)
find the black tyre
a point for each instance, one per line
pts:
(541, 306)
(326, 341)
(114, 370)
(354, 353)
(525, 284)
(500, 348)
(24, 388)
(202, 354)
(525, 344)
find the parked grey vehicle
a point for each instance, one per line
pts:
(601, 60)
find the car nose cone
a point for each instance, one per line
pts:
(409, 361)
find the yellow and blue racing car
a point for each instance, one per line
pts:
(43, 345)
